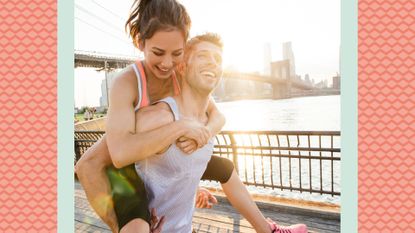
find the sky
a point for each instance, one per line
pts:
(313, 27)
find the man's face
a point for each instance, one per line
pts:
(204, 67)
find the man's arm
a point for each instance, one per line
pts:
(124, 144)
(216, 119)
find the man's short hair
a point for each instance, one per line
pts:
(213, 38)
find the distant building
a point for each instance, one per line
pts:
(322, 84)
(267, 59)
(103, 99)
(288, 54)
(307, 78)
(336, 82)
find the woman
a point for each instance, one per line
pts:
(159, 28)
(161, 58)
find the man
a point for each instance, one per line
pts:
(167, 196)
(171, 177)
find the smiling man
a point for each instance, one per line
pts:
(171, 177)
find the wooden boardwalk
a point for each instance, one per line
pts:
(221, 218)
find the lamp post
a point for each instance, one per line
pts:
(106, 81)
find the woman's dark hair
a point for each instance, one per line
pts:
(149, 16)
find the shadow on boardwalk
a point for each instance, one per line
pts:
(222, 218)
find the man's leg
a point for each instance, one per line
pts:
(222, 170)
(240, 198)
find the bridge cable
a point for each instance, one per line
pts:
(111, 12)
(98, 17)
(106, 32)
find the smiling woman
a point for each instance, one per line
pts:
(159, 28)
(163, 53)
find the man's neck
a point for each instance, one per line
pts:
(193, 104)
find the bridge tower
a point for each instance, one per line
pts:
(281, 70)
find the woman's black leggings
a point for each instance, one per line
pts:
(129, 194)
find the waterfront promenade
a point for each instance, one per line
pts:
(293, 175)
(297, 166)
(223, 217)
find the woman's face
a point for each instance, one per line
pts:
(163, 52)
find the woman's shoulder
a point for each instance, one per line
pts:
(125, 77)
(124, 83)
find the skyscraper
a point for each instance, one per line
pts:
(267, 59)
(288, 54)
(103, 99)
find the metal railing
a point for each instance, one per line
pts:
(85, 139)
(304, 161)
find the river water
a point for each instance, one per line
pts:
(320, 113)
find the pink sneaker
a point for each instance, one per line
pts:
(297, 228)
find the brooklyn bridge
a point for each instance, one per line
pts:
(235, 85)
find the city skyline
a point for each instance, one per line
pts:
(99, 26)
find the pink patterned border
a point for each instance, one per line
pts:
(28, 110)
(386, 116)
(28, 113)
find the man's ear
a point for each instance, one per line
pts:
(181, 68)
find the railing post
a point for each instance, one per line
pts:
(234, 152)
(77, 150)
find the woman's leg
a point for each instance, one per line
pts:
(130, 199)
(90, 170)
(110, 191)
(136, 225)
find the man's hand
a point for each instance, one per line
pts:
(156, 224)
(186, 145)
(205, 199)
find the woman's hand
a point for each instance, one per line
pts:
(196, 131)
(186, 145)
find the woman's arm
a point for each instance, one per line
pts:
(127, 146)
(215, 123)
